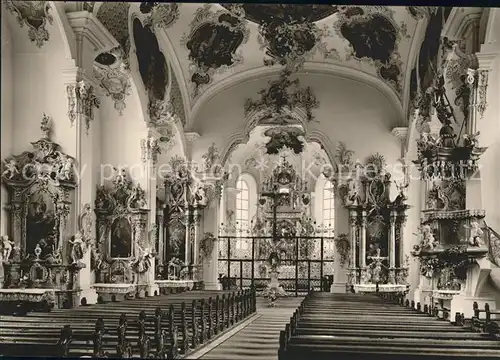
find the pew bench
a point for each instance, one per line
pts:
(165, 333)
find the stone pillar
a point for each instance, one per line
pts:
(161, 245)
(401, 133)
(211, 223)
(81, 90)
(192, 221)
(392, 248)
(362, 247)
(149, 156)
(353, 218)
(341, 227)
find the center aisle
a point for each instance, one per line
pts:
(259, 339)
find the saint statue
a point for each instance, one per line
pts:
(6, 245)
(77, 248)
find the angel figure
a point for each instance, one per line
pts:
(6, 245)
(77, 245)
(428, 240)
(10, 169)
(476, 234)
(200, 196)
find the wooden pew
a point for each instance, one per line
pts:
(347, 326)
(487, 325)
(156, 332)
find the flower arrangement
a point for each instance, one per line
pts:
(343, 246)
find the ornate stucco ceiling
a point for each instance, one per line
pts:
(206, 45)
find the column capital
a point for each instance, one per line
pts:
(401, 133)
(191, 137)
(486, 58)
(87, 26)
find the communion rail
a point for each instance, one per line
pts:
(161, 334)
(348, 325)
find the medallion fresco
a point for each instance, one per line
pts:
(289, 33)
(35, 15)
(152, 64)
(373, 35)
(213, 43)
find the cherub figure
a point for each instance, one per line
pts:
(11, 169)
(77, 247)
(476, 234)
(66, 167)
(6, 245)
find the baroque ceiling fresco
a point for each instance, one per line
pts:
(222, 40)
(209, 43)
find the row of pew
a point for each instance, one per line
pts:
(165, 327)
(345, 326)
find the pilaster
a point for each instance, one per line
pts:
(191, 138)
(401, 133)
(82, 99)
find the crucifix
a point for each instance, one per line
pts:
(274, 195)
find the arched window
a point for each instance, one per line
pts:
(242, 210)
(328, 207)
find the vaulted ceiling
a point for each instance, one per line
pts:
(195, 49)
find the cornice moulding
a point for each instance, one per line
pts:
(459, 20)
(87, 25)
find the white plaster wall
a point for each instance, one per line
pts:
(489, 127)
(40, 88)
(121, 139)
(7, 112)
(349, 111)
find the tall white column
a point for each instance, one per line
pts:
(353, 218)
(83, 102)
(392, 248)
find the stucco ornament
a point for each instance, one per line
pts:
(116, 83)
(82, 101)
(162, 15)
(35, 14)
(282, 95)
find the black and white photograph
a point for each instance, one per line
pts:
(249, 181)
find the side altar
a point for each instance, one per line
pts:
(41, 258)
(376, 261)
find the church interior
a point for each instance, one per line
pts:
(249, 181)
